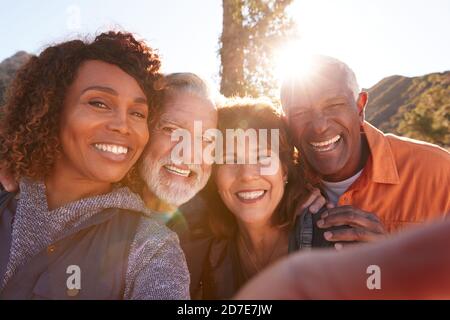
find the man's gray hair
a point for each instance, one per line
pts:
(352, 83)
(185, 82)
(318, 64)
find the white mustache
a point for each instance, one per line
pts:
(195, 168)
(173, 192)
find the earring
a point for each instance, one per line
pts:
(286, 181)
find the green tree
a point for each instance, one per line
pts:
(430, 119)
(252, 30)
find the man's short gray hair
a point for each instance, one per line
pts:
(352, 83)
(185, 82)
(318, 64)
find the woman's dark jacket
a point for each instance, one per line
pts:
(45, 276)
(214, 264)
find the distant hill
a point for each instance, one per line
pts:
(417, 107)
(8, 69)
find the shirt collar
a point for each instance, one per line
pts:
(383, 168)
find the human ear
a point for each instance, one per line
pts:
(361, 104)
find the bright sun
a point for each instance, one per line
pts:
(293, 60)
(316, 35)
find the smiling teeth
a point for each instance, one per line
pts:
(250, 195)
(326, 143)
(111, 148)
(178, 171)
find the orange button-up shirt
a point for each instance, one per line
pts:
(404, 182)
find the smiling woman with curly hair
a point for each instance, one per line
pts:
(74, 126)
(29, 141)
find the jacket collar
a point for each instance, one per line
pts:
(382, 167)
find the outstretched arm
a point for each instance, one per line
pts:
(413, 265)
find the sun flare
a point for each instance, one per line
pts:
(293, 60)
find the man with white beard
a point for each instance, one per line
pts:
(185, 98)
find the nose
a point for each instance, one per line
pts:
(119, 122)
(319, 123)
(186, 150)
(196, 155)
(249, 172)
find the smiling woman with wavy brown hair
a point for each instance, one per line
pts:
(255, 207)
(74, 125)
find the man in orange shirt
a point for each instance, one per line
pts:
(378, 182)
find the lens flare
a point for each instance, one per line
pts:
(293, 60)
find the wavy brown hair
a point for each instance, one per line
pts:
(29, 128)
(259, 114)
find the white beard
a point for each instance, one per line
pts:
(174, 193)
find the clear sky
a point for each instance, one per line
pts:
(376, 38)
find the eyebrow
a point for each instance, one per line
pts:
(335, 99)
(298, 110)
(113, 92)
(165, 119)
